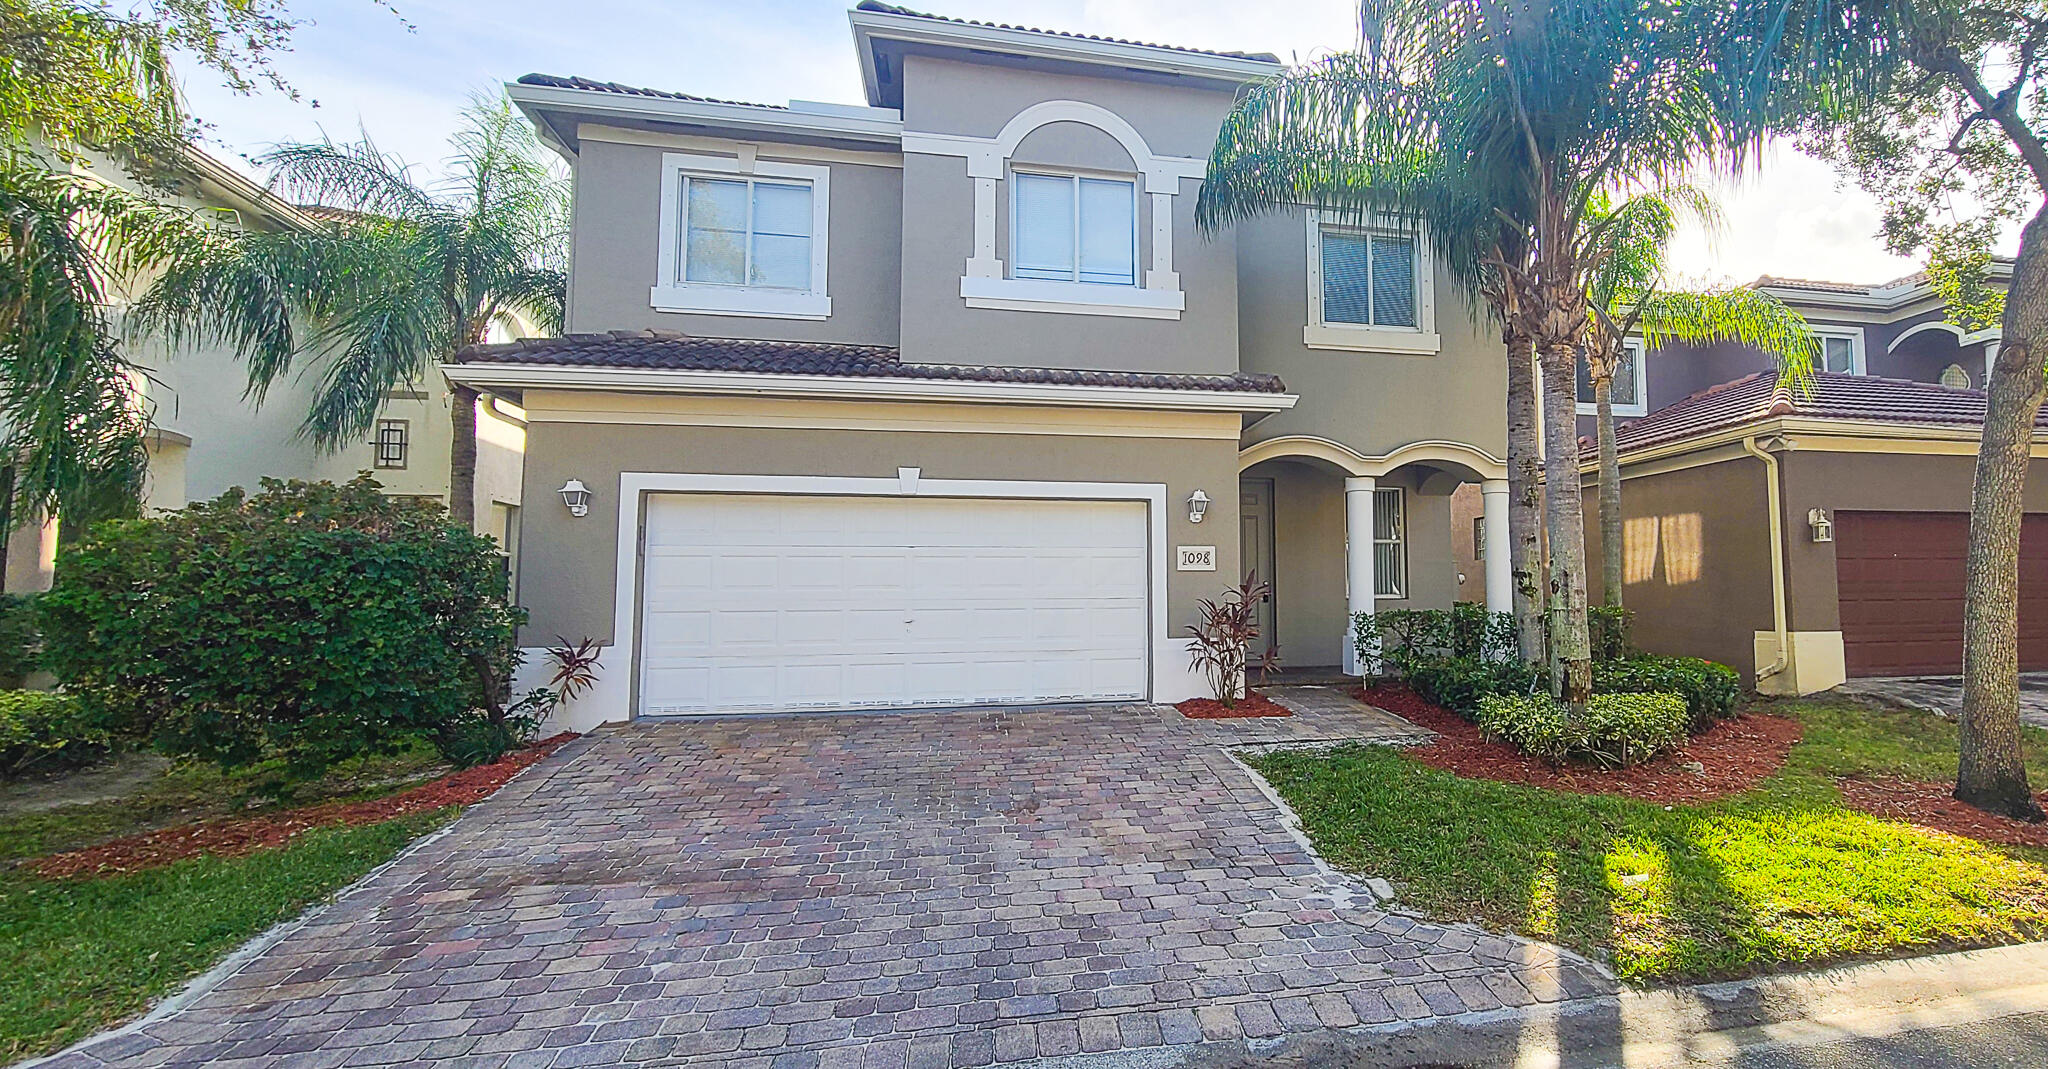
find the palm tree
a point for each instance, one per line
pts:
(408, 274)
(73, 433)
(1629, 300)
(1311, 136)
(1530, 110)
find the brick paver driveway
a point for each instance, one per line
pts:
(891, 890)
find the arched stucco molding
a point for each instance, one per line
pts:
(1481, 464)
(1157, 174)
(1922, 328)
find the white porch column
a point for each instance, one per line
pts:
(1500, 566)
(1358, 578)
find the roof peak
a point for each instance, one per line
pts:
(880, 8)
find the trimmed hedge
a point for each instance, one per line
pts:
(40, 730)
(1710, 690)
(1615, 730)
(1460, 683)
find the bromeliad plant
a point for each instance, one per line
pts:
(1220, 643)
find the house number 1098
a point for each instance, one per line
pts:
(1197, 559)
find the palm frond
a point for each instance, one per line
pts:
(1734, 314)
(354, 176)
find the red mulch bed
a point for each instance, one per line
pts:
(1734, 755)
(1930, 805)
(1253, 704)
(237, 836)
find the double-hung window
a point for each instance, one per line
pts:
(1629, 394)
(1369, 289)
(1389, 544)
(1074, 228)
(742, 238)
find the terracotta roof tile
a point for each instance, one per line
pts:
(653, 349)
(891, 9)
(1832, 396)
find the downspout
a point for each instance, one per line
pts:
(1779, 616)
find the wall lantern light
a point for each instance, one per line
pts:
(1198, 505)
(1823, 528)
(576, 496)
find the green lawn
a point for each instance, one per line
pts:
(1780, 876)
(80, 955)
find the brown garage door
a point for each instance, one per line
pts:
(1901, 581)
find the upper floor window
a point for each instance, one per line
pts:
(1841, 351)
(1630, 394)
(1370, 288)
(1368, 279)
(393, 439)
(747, 233)
(741, 236)
(1071, 228)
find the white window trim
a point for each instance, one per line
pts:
(1360, 338)
(1399, 542)
(1075, 177)
(1857, 366)
(671, 294)
(986, 284)
(1641, 407)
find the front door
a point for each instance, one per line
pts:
(1255, 548)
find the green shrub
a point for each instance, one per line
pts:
(1710, 690)
(1610, 627)
(1614, 730)
(40, 731)
(1399, 639)
(1459, 683)
(21, 641)
(309, 621)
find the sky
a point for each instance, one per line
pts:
(404, 79)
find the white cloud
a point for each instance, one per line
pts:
(364, 69)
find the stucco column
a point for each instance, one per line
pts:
(1500, 570)
(1358, 578)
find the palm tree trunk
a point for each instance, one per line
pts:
(1610, 492)
(462, 457)
(1525, 517)
(1991, 775)
(1571, 651)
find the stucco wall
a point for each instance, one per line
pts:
(568, 565)
(617, 228)
(1372, 402)
(1697, 562)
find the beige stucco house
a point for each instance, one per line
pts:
(207, 435)
(941, 399)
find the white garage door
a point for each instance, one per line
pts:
(759, 601)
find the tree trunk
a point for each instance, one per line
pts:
(1525, 487)
(1571, 651)
(1610, 493)
(1991, 775)
(462, 457)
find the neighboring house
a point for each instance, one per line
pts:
(943, 399)
(1808, 537)
(1893, 330)
(207, 435)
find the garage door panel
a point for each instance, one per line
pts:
(786, 602)
(1900, 578)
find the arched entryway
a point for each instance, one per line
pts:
(1342, 533)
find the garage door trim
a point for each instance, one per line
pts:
(636, 487)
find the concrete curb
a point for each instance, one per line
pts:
(1702, 1025)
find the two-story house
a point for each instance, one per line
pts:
(206, 434)
(943, 399)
